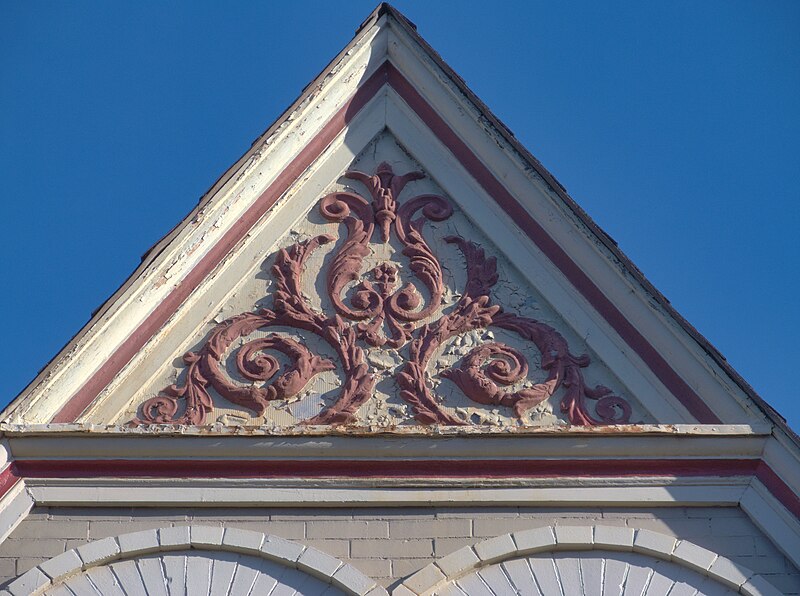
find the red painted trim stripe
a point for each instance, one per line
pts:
(108, 468)
(685, 394)
(475, 468)
(103, 376)
(778, 488)
(387, 73)
(8, 478)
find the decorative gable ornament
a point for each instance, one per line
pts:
(376, 308)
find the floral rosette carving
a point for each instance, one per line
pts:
(381, 313)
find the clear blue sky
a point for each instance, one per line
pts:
(676, 125)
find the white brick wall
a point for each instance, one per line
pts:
(392, 543)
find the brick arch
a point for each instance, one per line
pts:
(443, 572)
(195, 540)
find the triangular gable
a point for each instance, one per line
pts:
(387, 89)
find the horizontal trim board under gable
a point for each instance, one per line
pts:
(411, 469)
(388, 74)
(75, 442)
(385, 468)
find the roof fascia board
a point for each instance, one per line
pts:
(15, 505)
(531, 262)
(773, 518)
(177, 255)
(239, 266)
(783, 460)
(612, 274)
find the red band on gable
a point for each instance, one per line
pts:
(778, 488)
(8, 478)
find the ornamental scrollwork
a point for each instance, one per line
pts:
(374, 309)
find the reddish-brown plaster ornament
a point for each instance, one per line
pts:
(381, 314)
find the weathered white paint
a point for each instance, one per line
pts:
(572, 560)
(194, 560)
(640, 441)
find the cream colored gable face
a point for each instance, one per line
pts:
(400, 347)
(564, 289)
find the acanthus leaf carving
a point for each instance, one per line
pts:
(483, 375)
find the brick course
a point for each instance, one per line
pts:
(390, 544)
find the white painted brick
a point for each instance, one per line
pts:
(335, 548)
(614, 538)
(488, 527)
(758, 586)
(174, 538)
(729, 572)
(318, 563)
(206, 536)
(31, 547)
(378, 568)
(52, 529)
(763, 565)
(693, 556)
(104, 529)
(243, 541)
(653, 543)
(685, 528)
(348, 529)
(573, 537)
(7, 569)
(281, 550)
(98, 552)
(62, 565)
(445, 546)
(459, 561)
(409, 549)
(289, 530)
(30, 582)
(732, 527)
(529, 541)
(762, 547)
(401, 590)
(495, 548)
(350, 578)
(402, 568)
(424, 579)
(25, 564)
(438, 528)
(137, 543)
